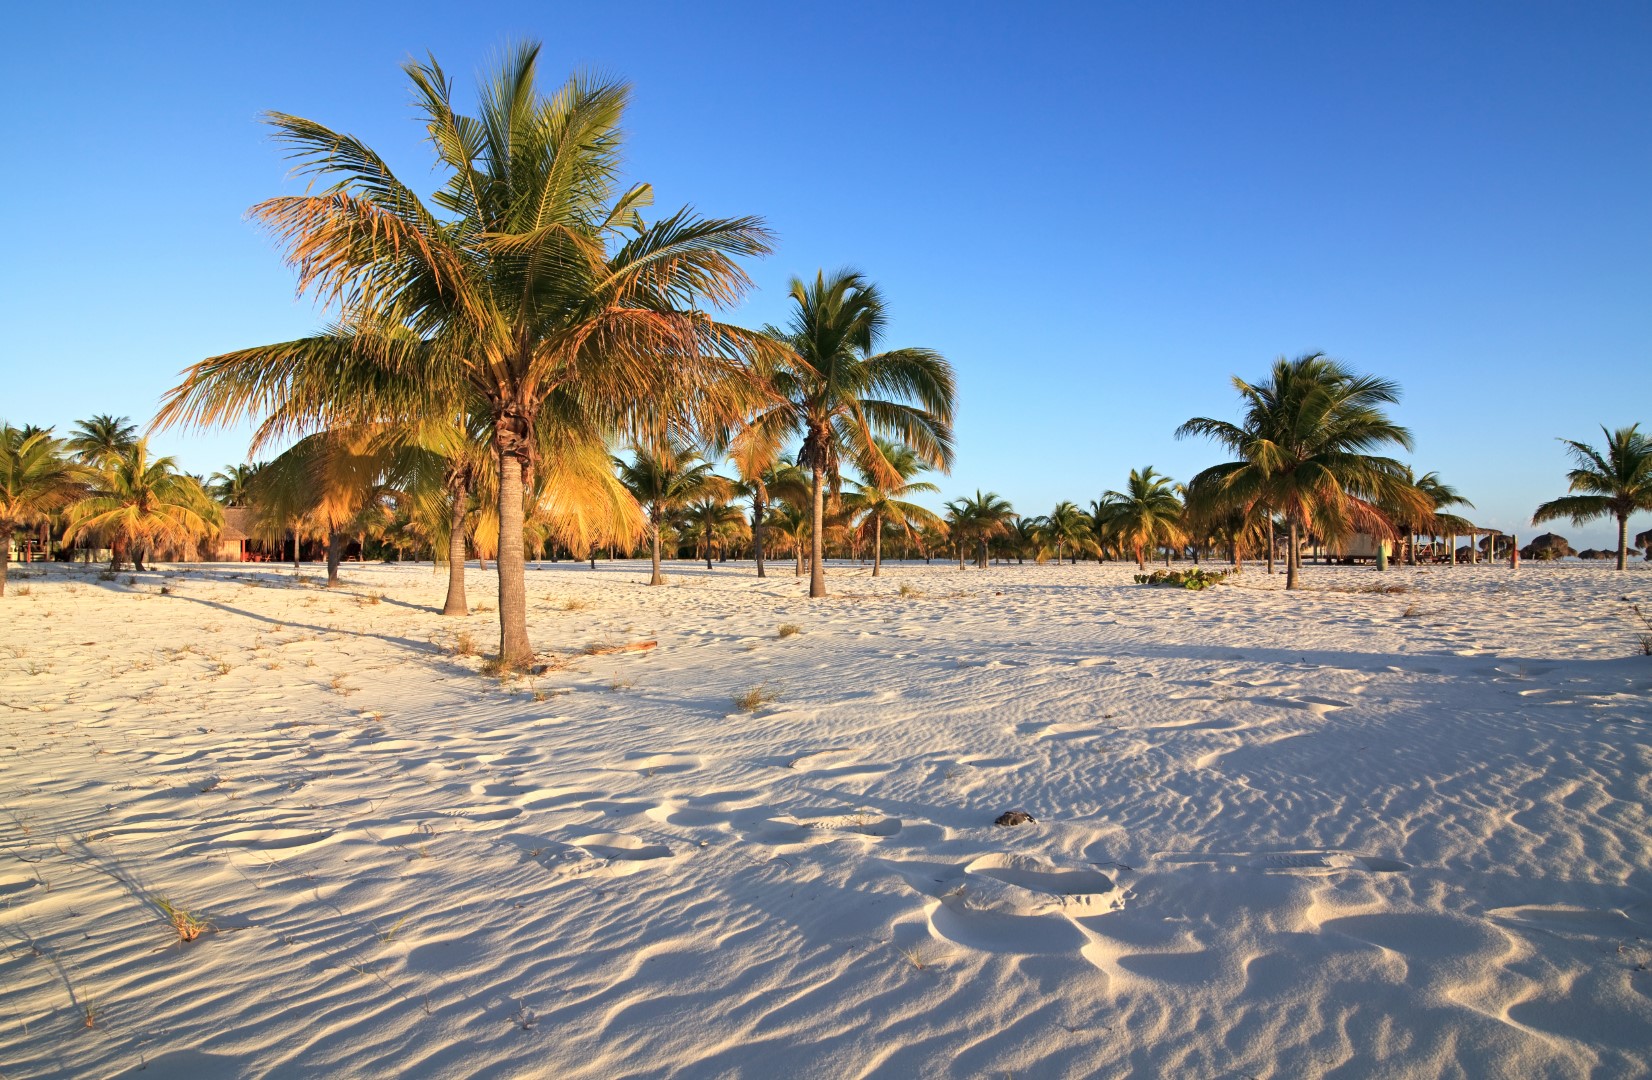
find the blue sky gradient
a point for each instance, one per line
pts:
(1099, 213)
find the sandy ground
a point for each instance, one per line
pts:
(1325, 834)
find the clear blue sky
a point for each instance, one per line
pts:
(1098, 212)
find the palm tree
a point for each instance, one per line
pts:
(980, 519)
(878, 504)
(838, 394)
(142, 502)
(763, 480)
(790, 522)
(1302, 452)
(35, 482)
(709, 515)
(665, 479)
(1441, 497)
(1064, 528)
(533, 291)
(102, 440)
(232, 485)
(1146, 514)
(1616, 484)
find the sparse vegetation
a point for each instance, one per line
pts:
(755, 698)
(189, 924)
(788, 629)
(909, 592)
(1643, 636)
(1195, 578)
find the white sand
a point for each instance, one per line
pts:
(1278, 836)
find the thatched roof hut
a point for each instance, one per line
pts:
(1547, 546)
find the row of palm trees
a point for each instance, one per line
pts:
(99, 485)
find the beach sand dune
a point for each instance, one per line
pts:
(1334, 833)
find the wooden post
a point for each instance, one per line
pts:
(1382, 554)
(1453, 549)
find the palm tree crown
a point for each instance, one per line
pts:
(665, 479)
(35, 482)
(1146, 514)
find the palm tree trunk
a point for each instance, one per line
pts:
(757, 532)
(1623, 541)
(295, 548)
(1270, 543)
(799, 548)
(654, 523)
(1291, 568)
(1141, 560)
(877, 544)
(708, 543)
(455, 603)
(514, 650)
(335, 552)
(817, 569)
(5, 557)
(137, 558)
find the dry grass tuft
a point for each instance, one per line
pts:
(189, 924)
(22, 590)
(788, 629)
(1643, 636)
(575, 604)
(909, 591)
(758, 696)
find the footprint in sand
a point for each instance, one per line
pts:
(1020, 904)
(624, 853)
(1322, 861)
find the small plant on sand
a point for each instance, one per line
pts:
(917, 956)
(909, 591)
(389, 935)
(464, 644)
(22, 590)
(106, 575)
(758, 696)
(1643, 636)
(189, 925)
(788, 629)
(1195, 578)
(1411, 611)
(575, 604)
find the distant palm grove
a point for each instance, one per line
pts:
(525, 365)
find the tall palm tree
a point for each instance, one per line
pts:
(1146, 514)
(876, 504)
(1441, 497)
(979, 518)
(36, 481)
(533, 289)
(664, 480)
(838, 393)
(1302, 451)
(764, 479)
(1616, 483)
(1065, 528)
(102, 440)
(789, 521)
(142, 502)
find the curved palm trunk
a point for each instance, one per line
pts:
(137, 558)
(757, 532)
(877, 544)
(1291, 559)
(654, 521)
(455, 603)
(511, 564)
(335, 555)
(817, 569)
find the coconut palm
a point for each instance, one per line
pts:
(1064, 529)
(838, 394)
(1441, 497)
(1302, 452)
(979, 518)
(710, 515)
(530, 282)
(36, 481)
(665, 479)
(789, 522)
(232, 485)
(1616, 483)
(143, 502)
(763, 480)
(1145, 515)
(102, 440)
(873, 504)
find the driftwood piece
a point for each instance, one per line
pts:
(607, 650)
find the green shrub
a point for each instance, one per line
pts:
(1195, 578)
